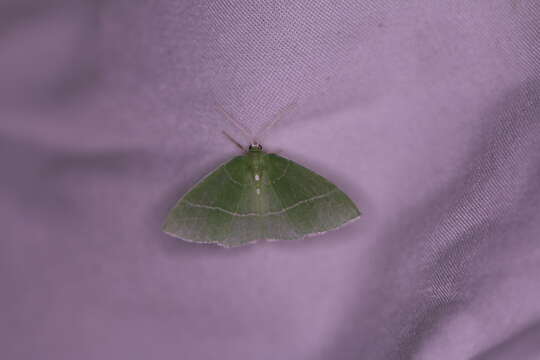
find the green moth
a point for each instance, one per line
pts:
(259, 196)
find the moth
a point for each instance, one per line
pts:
(258, 196)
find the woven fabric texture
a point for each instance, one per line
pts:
(427, 113)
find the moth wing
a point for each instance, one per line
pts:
(311, 203)
(205, 213)
(240, 203)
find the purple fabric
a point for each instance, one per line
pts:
(427, 113)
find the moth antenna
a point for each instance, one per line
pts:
(233, 141)
(279, 116)
(245, 131)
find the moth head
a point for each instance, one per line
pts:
(254, 147)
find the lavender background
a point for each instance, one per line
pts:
(427, 113)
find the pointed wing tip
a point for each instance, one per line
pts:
(357, 211)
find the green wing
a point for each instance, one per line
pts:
(259, 196)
